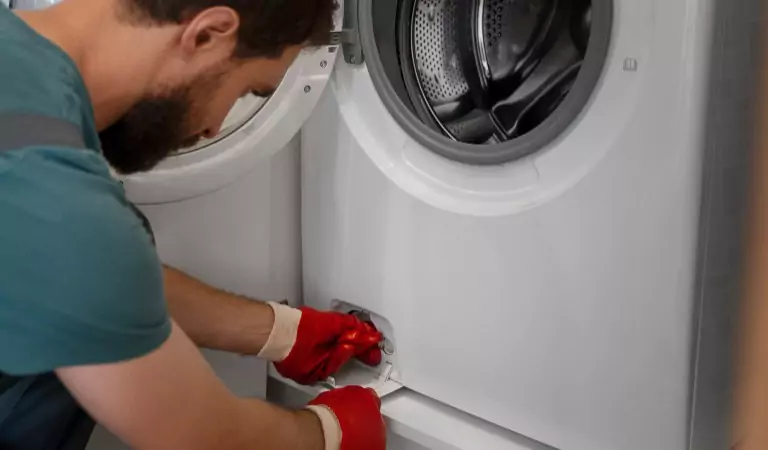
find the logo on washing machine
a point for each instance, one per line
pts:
(630, 65)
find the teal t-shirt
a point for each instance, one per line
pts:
(80, 281)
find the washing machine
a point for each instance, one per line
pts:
(512, 191)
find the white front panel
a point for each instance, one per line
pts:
(568, 320)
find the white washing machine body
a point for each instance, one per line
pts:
(551, 295)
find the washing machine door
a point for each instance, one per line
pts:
(255, 128)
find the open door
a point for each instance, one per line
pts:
(255, 129)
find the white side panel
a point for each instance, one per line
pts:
(243, 238)
(569, 320)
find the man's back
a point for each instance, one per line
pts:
(80, 282)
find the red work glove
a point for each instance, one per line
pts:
(351, 419)
(307, 345)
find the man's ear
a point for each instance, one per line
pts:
(211, 31)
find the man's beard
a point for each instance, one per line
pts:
(153, 129)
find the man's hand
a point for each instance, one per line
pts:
(308, 345)
(351, 419)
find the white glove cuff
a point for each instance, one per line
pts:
(331, 427)
(283, 335)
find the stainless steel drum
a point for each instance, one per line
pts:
(488, 71)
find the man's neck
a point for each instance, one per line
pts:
(112, 67)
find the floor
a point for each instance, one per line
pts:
(103, 440)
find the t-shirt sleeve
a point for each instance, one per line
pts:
(80, 282)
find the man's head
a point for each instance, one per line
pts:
(215, 52)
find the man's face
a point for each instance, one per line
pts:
(177, 115)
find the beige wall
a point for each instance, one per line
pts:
(751, 402)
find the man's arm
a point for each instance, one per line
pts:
(306, 345)
(216, 319)
(171, 399)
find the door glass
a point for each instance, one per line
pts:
(29, 4)
(245, 109)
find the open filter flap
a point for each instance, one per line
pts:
(353, 374)
(384, 378)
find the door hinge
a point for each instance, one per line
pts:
(349, 36)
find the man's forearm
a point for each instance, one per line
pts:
(171, 399)
(292, 429)
(216, 319)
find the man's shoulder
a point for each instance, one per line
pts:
(39, 78)
(64, 188)
(66, 204)
(81, 282)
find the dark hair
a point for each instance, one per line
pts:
(267, 27)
